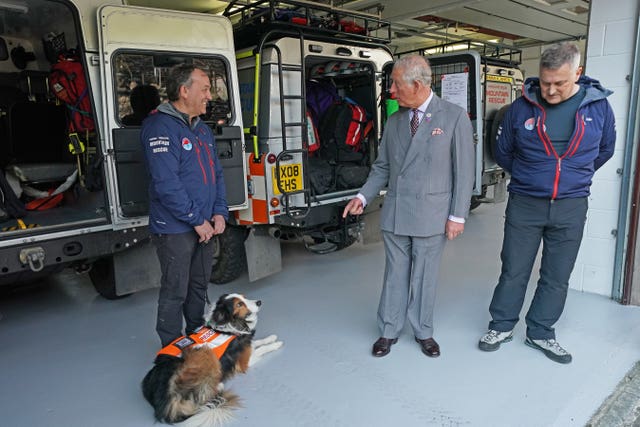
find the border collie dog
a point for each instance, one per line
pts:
(186, 383)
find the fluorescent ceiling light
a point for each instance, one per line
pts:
(550, 2)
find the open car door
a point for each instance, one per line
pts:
(456, 78)
(138, 46)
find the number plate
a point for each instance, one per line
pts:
(290, 178)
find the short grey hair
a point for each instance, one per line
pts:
(179, 75)
(558, 54)
(415, 68)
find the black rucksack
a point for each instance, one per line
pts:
(343, 129)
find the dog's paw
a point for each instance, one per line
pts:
(264, 341)
(270, 339)
(277, 345)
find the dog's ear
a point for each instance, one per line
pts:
(221, 314)
(221, 300)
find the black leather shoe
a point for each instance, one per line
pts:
(429, 347)
(382, 347)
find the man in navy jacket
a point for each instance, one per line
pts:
(187, 204)
(551, 141)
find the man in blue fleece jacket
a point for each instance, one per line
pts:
(551, 141)
(187, 196)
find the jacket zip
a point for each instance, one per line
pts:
(574, 143)
(204, 173)
(211, 167)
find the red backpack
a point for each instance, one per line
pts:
(69, 85)
(343, 128)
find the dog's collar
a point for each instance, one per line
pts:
(228, 328)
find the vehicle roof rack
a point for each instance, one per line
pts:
(253, 19)
(491, 53)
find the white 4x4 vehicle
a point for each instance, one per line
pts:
(100, 224)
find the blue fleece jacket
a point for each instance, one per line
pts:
(525, 151)
(187, 183)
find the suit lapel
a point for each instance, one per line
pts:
(404, 133)
(421, 138)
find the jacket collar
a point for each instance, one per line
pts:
(594, 90)
(168, 108)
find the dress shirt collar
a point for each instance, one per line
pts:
(421, 109)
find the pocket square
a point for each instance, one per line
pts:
(437, 131)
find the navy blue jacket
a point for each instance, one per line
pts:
(187, 184)
(525, 151)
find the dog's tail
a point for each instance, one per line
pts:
(216, 413)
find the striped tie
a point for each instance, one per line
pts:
(415, 121)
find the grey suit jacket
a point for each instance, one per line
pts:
(429, 176)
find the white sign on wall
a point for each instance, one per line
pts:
(454, 88)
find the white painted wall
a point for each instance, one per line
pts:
(609, 58)
(531, 58)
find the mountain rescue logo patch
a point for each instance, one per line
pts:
(186, 144)
(530, 124)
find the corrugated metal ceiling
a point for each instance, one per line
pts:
(418, 24)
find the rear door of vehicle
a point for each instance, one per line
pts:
(133, 36)
(456, 78)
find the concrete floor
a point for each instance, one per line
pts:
(71, 358)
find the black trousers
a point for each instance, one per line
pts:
(559, 224)
(186, 268)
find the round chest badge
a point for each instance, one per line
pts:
(186, 144)
(529, 124)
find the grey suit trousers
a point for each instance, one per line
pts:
(410, 282)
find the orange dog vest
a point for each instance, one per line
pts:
(217, 341)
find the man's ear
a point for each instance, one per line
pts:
(183, 92)
(579, 73)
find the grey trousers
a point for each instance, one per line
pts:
(186, 269)
(410, 282)
(559, 224)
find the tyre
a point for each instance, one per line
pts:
(229, 258)
(495, 124)
(103, 278)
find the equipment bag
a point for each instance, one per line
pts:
(321, 176)
(313, 140)
(342, 130)
(68, 84)
(350, 176)
(321, 94)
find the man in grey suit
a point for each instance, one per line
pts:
(426, 161)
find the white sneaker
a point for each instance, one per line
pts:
(551, 349)
(491, 340)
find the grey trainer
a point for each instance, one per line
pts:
(551, 349)
(491, 340)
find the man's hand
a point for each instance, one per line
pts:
(219, 224)
(354, 207)
(205, 231)
(453, 229)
